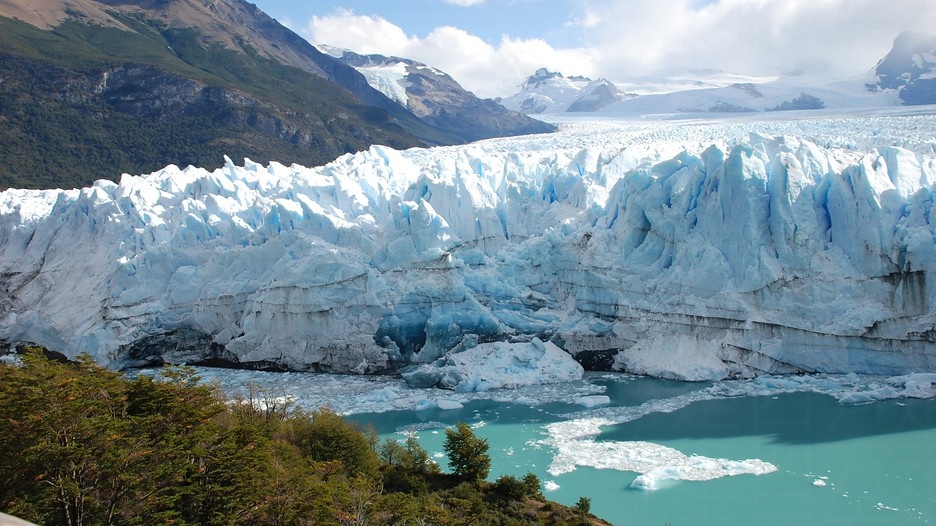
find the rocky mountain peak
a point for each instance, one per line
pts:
(909, 68)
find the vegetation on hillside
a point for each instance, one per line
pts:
(83, 102)
(83, 445)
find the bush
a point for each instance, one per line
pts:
(509, 488)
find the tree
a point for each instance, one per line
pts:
(532, 484)
(179, 420)
(583, 505)
(467, 454)
(417, 457)
(327, 437)
(65, 440)
(391, 452)
(81, 445)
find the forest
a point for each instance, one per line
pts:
(83, 445)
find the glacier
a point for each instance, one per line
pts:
(681, 249)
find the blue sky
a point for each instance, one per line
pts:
(491, 46)
(488, 20)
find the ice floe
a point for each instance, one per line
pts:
(373, 394)
(575, 444)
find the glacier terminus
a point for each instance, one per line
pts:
(683, 249)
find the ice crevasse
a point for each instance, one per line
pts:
(701, 259)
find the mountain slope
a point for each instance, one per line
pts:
(232, 24)
(84, 102)
(438, 99)
(909, 69)
(131, 86)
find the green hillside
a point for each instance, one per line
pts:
(82, 102)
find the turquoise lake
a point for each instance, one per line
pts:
(694, 449)
(872, 463)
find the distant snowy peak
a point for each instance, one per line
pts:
(436, 98)
(909, 69)
(792, 93)
(389, 75)
(551, 92)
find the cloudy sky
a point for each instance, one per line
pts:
(491, 46)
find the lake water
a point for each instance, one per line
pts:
(820, 461)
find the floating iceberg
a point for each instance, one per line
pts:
(496, 366)
(593, 401)
(449, 405)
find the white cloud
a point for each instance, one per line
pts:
(589, 20)
(359, 33)
(486, 69)
(624, 38)
(749, 36)
(464, 3)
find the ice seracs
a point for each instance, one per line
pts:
(693, 251)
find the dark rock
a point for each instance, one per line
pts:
(804, 102)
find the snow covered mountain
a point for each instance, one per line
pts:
(782, 94)
(906, 76)
(437, 99)
(909, 69)
(549, 92)
(682, 250)
(712, 93)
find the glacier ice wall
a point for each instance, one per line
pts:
(693, 250)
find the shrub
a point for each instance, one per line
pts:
(509, 488)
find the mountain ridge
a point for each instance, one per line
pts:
(252, 88)
(551, 92)
(72, 116)
(436, 98)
